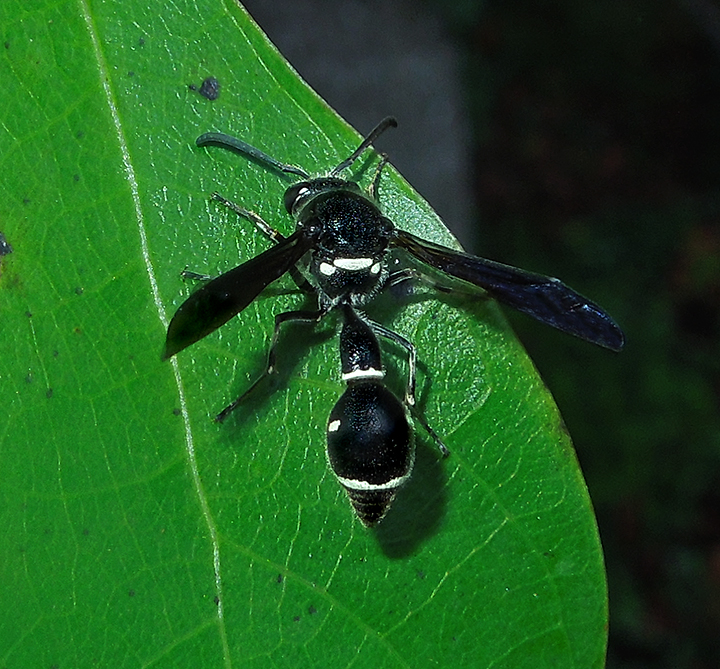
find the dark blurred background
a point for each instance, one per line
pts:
(580, 139)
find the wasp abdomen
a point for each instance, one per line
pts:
(370, 447)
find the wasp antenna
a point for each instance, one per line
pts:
(387, 122)
(234, 144)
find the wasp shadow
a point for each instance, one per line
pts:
(419, 508)
(296, 341)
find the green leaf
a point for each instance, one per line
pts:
(136, 532)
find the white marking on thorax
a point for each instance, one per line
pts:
(327, 269)
(370, 373)
(353, 264)
(334, 426)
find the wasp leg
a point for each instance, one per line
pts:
(410, 400)
(280, 319)
(270, 232)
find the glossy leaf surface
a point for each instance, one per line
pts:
(136, 532)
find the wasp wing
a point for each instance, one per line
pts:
(547, 299)
(227, 295)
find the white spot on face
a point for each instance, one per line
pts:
(352, 264)
(334, 426)
(327, 269)
(369, 373)
(303, 191)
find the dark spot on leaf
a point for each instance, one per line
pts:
(29, 378)
(5, 247)
(421, 575)
(312, 610)
(176, 412)
(7, 45)
(210, 88)
(28, 314)
(279, 578)
(55, 354)
(26, 200)
(76, 177)
(216, 599)
(141, 41)
(49, 393)
(131, 593)
(79, 290)
(131, 73)
(296, 619)
(77, 331)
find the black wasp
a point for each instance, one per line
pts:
(339, 252)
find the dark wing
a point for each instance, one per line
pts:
(227, 295)
(542, 297)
